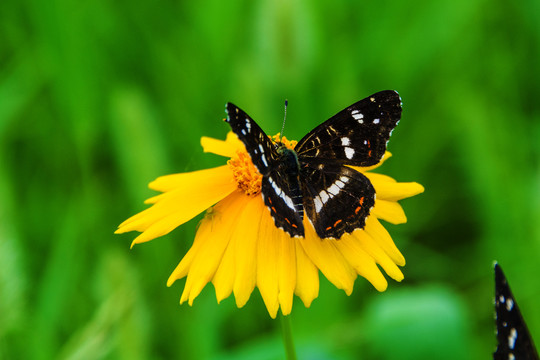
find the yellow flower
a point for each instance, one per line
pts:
(237, 246)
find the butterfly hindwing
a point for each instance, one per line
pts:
(337, 199)
(258, 145)
(357, 135)
(282, 195)
(513, 338)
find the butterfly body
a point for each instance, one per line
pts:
(289, 160)
(314, 178)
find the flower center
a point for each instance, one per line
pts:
(248, 178)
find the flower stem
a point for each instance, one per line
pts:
(288, 342)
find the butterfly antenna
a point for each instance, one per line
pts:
(284, 118)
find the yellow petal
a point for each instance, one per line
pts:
(203, 233)
(374, 250)
(210, 254)
(223, 279)
(193, 182)
(200, 179)
(307, 276)
(245, 238)
(287, 272)
(328, 259)
(375, 229)
(376, 178)
(362, 262)
(175, 208)
(390, 211)
(388, 189)
(268, 251)
(225, 148)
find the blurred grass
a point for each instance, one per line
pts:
(99, 98)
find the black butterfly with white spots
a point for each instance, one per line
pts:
(514, 342)
(314, 177)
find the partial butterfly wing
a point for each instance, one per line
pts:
(513, 338)
(258, 145)
(282, 195)
(337, 199)
(357, 135)
(281, 191)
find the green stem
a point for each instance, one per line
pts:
(288, 342)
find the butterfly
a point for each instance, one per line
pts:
(514, 341)
(315, 178)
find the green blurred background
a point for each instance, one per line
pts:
(98, 98)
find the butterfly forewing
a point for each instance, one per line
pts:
(258, 145)
(337, 199)
(357, 135)
(513, 338)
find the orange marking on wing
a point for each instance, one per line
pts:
(294, 226)
(287, 220)
(270, 201)
(369, 153)
(337, 222)
(357, 210)
(274, 209)
(328, 228)
(361, 201)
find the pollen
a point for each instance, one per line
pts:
(247, 176)
(289, 144)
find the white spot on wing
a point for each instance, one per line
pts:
(357, 116)
(340, 183)
(318, 204)
(509, 304)
(512, 338)
(345, 141)
(349, 152)
(376, 121)
(324, 196)
(263, 158)
(248, 125)
(334, 189)
(288, 201)
(276, 188)
(344, 179)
